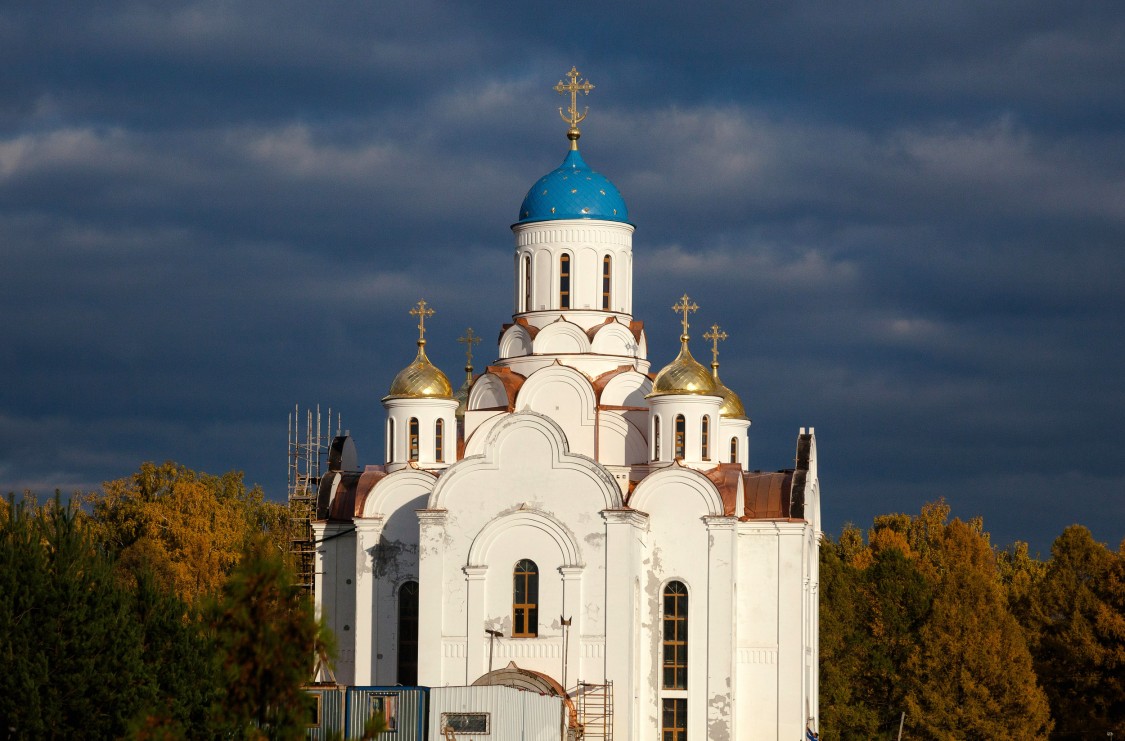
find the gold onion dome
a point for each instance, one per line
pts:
(420, 380)
(732, 405)
(684, 375)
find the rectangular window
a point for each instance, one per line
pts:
(465, 723)
(413, 439)
(439, 441)
(673, 725)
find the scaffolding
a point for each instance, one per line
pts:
(595, 710)
(306, 453)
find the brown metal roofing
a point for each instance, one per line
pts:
(725, 478)
(767, 494)
(367, 481)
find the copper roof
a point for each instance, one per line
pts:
(725, 478)
(768, 494)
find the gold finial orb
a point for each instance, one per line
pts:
(572, 117)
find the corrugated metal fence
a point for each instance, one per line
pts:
(483, 713)
(495, 713)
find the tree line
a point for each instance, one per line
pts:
(925, 617)
(160, 607)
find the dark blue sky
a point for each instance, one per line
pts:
(910, 218)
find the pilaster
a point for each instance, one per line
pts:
(721, 600)
(475, 661)
(572, 609)
(431, 559)
(368, 531)
(624, 530)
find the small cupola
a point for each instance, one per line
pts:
(421, 410)
(684, 406)
(732, 442)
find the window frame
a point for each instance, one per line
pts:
(525, 613)
(413, 444)
(607, 283)
(439, 440)
(674, 649)
(566, 282)
(680, 447)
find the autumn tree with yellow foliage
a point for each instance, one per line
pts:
(188, 529)
(927, 631)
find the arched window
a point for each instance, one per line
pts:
(525, 600)
(675, 636)
(439, 441)
(607, 274)
(413, 447)
(526, 283)
(390, 440)
(734, 450)
(681, 432)
(656, 438)
(564, 282)
(408, 634)
(705, 438)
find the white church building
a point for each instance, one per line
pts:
(572, 521)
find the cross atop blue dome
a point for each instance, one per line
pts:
(573, 191)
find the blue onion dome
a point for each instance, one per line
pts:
(573, 191)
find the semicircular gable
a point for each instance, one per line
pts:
(678, 482)
(537, 431)
(546, 387)
(627, 390)
(536, 520)
(515, 342)
(488, 392)
(404, 484)
(614, 339)
(561, 338)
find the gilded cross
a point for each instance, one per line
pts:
(421, 312)
(468, 341)
(575, 86)
(716, 336)
(684, 307)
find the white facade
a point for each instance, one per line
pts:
(558, 473)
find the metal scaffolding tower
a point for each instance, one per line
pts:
(306, 453)
(595, 710)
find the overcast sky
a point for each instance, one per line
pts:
(909, 217)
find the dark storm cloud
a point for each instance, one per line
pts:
(910, 220)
